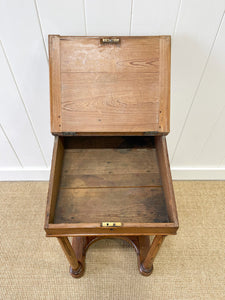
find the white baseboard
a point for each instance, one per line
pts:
(198, 173)
(24, 174)
(177, 174)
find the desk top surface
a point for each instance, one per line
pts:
(110, 85)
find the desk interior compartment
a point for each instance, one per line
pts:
(96, 179)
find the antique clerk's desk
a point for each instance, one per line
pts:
(110, 174)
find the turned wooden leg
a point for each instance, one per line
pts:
(147, 264)
(76, 269)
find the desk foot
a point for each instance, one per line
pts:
(77, 273)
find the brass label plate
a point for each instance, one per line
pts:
(111, 224)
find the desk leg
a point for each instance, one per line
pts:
(147, 264)
(76, 268)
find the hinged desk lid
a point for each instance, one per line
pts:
(110, 85)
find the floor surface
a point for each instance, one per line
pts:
(190, 265)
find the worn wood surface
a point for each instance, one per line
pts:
(110, 87)
(147, 263)
(55, 83)
(121, 183)
(80, 246)
(109, 168)
(54, 182)
(69, 252)
(164, 167)
(109, 162)
(118, 178)
(144, 204)
(164, 84)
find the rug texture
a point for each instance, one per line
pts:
(190, 265)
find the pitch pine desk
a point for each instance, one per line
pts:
(110, 174)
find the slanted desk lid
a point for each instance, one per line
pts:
(110, 85)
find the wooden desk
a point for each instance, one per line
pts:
(110, 174)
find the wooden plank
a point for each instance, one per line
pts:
(191, 46)
(113, 17)
(15, 121)
(23, 43)
(54, 181)
(131, 229)
(52, 17)
(166, 178)
(107, 101)
(88, 54)
(55, 83)
(113, 161)
(164, 108)
(202, 142)
(115, 91)
(110, 180)
(151, 17)
(111, 204)
(110, 168)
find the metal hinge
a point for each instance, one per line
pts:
(72, 133)
(111, 224)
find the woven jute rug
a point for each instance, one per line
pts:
(190, 265)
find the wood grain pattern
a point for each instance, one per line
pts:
(144, 205)
(55, 83)
(109, 168)
(164, 166)
(99, 101)
(113, 87)
(164, 108)
(103, 178)
(114, 177)
(57, 159)
(128, 229)
(147, 264)
(132, 54)
(68, 250)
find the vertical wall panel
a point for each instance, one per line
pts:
(8, 158)
(197, 147)
(108, 17)
(213, 149)
(197, 25)
(14, 119)
(222, 165)
(197, 138)
(154, 17)
(61, 17)
(23, 43)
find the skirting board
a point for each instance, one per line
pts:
(177, 174)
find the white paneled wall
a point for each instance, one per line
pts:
(197, 139)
